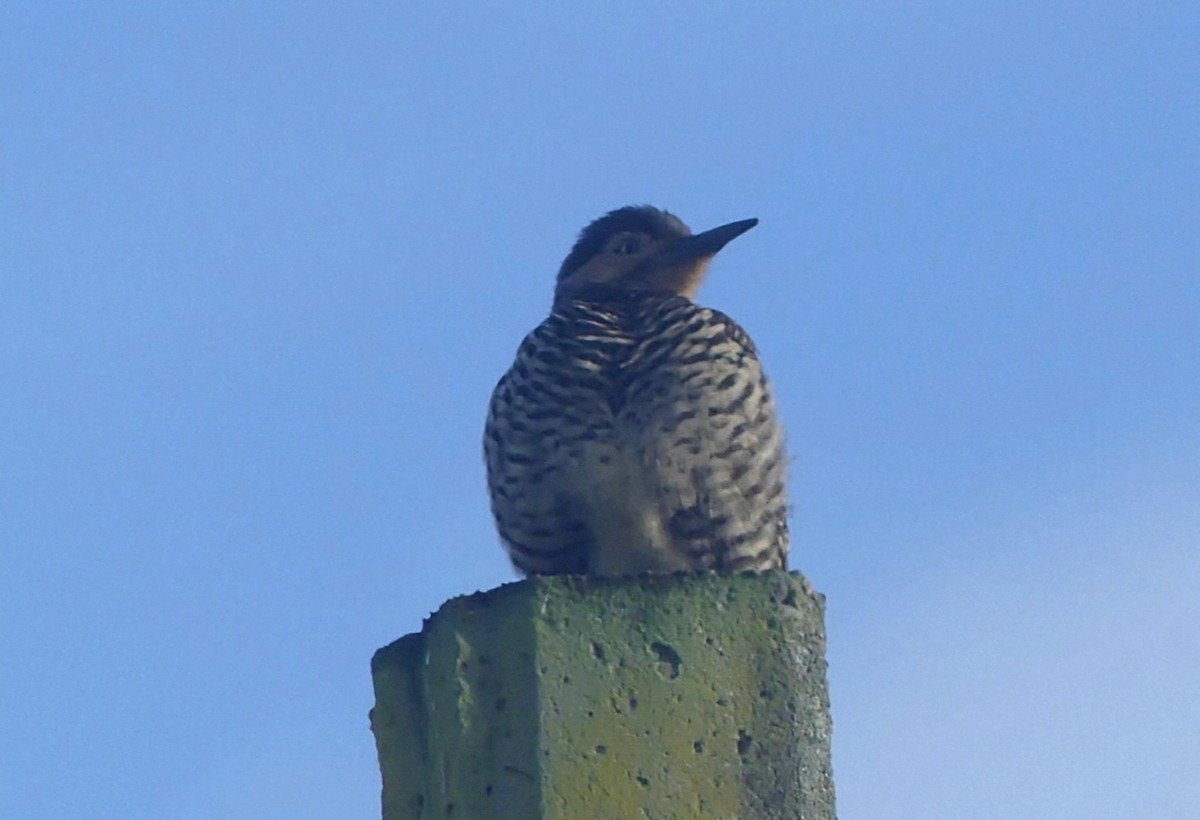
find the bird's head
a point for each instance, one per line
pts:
(642, 248)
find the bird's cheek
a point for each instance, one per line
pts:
(682, 279)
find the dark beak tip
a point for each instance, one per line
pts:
(735, 229)
(709, 242)
(731, 231)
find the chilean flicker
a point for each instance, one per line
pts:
(636, 432)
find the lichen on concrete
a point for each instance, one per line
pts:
(656, 696)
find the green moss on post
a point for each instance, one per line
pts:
(559, 698)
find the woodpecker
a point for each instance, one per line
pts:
(636, 431)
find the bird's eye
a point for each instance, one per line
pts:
(627, 245)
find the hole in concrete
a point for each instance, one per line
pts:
(743, 742)
(669, 661)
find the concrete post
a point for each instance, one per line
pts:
(565, 698)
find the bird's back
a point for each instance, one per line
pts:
(636, 432)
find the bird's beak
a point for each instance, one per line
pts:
(704, 245)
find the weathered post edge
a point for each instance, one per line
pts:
(682, 696)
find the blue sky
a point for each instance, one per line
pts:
(261, 265)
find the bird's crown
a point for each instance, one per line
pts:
(644, 220)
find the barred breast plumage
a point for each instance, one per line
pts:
(636, 431)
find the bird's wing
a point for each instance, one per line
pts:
(539, 524)
(710, 439)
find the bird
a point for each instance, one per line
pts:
(636, 432)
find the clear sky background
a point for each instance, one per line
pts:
(261, 265)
